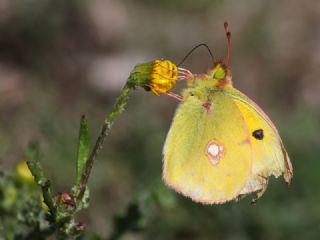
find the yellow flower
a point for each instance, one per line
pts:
(158, 76)
(164, 75)
(24, 173)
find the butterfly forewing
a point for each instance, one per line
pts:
(268, 154)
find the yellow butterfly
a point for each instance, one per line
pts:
(221, 145)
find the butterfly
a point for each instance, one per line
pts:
(221, 145)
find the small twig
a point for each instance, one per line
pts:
(47, 197)
(37, 172)
(117, 109)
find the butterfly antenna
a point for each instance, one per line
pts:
(199, 45)
(228, 34)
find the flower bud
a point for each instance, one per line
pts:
(159, 76)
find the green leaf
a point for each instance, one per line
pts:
(33, 161)
(83, 148)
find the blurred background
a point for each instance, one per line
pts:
(61, 59)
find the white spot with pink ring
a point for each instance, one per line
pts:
(214, 152)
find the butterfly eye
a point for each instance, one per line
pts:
(258, 134)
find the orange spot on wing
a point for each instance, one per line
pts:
(245, 141)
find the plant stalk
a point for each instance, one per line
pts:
(117, 110)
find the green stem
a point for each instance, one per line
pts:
(47, 198)
(36, 170)
(117, 110)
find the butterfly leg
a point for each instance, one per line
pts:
(260, 192)
(175, 96)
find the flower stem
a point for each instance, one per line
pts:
(117, 110)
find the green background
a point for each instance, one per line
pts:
(61, 59)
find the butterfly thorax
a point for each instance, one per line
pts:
(203, 86)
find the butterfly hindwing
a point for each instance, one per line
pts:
(207, 155)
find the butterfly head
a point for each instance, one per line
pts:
(221, 73)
